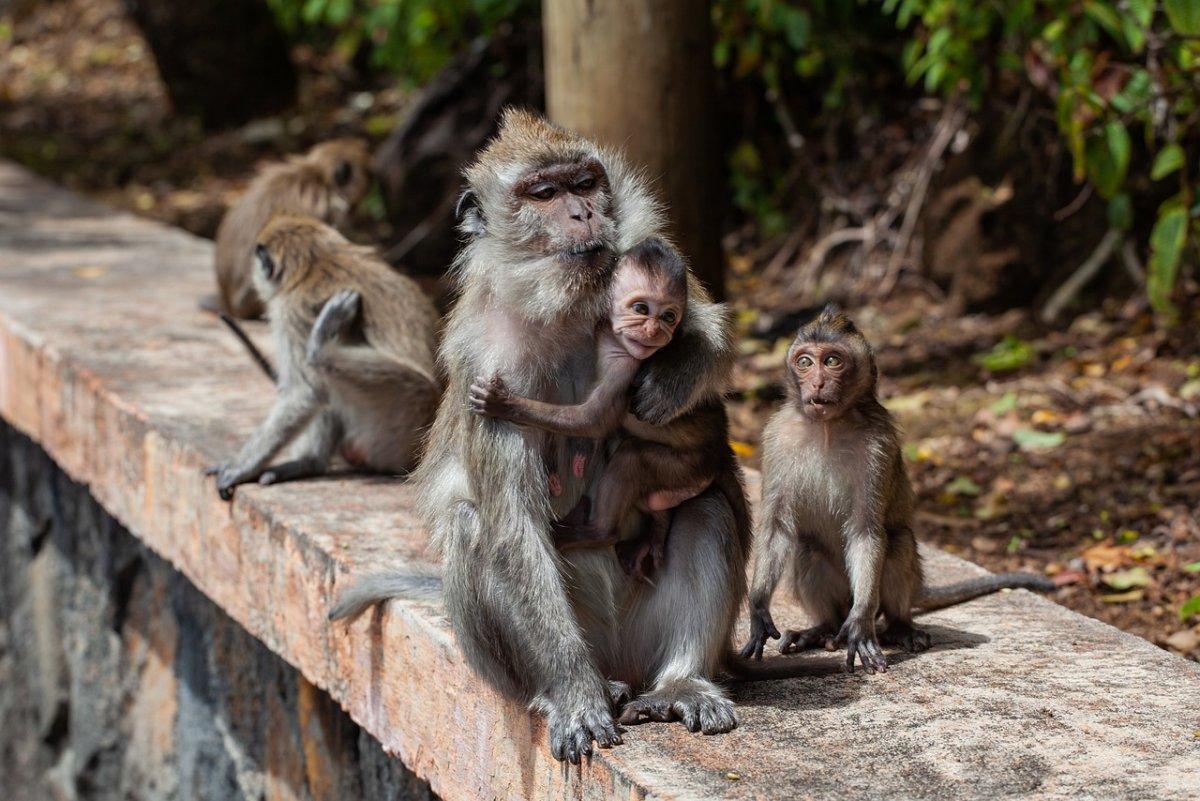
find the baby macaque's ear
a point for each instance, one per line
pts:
(468, 213)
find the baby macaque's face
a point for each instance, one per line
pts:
(646, 308)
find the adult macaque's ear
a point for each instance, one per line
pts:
(468, 214)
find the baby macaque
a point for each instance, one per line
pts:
(656, 467)
(837, 509)
(325, 183)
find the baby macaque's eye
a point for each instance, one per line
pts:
(833, 361)
(641, 308)
(804, 362)
(542, 192)
(586, 184)
(669, 317)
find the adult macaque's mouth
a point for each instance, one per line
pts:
(585, 248)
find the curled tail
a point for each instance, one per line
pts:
(256, 354)
(933, 598)
(779, 668)
(370, 590)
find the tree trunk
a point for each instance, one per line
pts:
(638, 74)
(224, 61)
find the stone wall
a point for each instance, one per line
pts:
(120, 680)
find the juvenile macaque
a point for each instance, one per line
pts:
(837, 509)
(355, 344)
(326, 183)
(656, 467)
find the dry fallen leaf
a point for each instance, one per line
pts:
(1122, 597)
(1185, 641)
(1106, 556)
(1127, 579)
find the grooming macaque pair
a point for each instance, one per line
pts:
(654, 468)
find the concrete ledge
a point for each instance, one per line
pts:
(107, 364)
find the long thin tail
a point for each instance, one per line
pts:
(933, 598)
(370, 590)
(780, 668)
(255, 353)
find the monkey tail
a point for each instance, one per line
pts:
(380, 587)
(255, 353)
(934, 598)
(780, 668)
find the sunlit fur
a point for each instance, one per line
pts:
(325, 183)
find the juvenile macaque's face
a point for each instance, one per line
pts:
(646, 309)
(828, 378)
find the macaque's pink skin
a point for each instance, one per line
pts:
(663, 500)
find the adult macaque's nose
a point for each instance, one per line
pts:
(578, 209)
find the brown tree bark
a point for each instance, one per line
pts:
(224, 61)
(638, 74)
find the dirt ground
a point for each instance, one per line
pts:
(1072, 451)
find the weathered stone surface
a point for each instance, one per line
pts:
(119, 680)
(106, 363)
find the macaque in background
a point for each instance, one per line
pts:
(837, 510)
(355, 342)
(326, 183)
(665, 464)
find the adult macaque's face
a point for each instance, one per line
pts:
(645, 310)
(568, 204)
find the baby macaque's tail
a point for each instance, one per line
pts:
(780, 668)
(933, 598)
(380, 587)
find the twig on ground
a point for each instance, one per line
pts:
(1079, 279)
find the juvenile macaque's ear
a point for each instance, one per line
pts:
(343, 173)
(468, 214)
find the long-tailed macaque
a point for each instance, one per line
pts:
(837, 509)
(545, 212)
(659, 467)
(355, 342)
(325, 183)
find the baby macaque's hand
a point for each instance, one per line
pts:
(490, 398)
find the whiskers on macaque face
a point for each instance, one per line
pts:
(649, 298)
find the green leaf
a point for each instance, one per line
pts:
(1189, 608)
(1032, 440)
(1107, 159)
(1194, 567)
(1104, 16)
(1166, 245)
(1008, 354)
(963, 486)
(1127, 579)
(1184, 16)
(1143, 11)
(1120, 213)
(1168, 160)
(1005, 404)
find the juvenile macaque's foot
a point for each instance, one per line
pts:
(490, 398)
(337, 313)
(804, 639)
(861, 643)
(762, 628)
(906, 636)
(695, 703)
(640, 558)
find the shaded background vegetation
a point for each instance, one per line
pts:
(1004, 192)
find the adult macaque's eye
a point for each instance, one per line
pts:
(804, 362)
(833, 361)
(585, 185)
(542, 192)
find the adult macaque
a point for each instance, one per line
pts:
(668, 463)
(545, 211)
(325, 183)
(837, 508)
(355, 343)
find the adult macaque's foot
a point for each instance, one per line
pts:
(619, 693)
(571, 733)
(695, 703)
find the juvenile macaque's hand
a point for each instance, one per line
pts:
(490, 398)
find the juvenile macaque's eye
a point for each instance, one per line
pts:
(669, 317)
(585, 185)
(265, 262)
(542, 192)
(804, 362)
(640, 308)
(833, 361)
